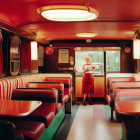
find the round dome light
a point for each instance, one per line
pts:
(68, 12)
(86, 34)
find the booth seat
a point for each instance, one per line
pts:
(111, 79)
(8, 132)
(30, 129)
(57, 85)
(126, 94)
(7, 85)
(44, 113)
(20, 130)
(113, 85)
(68, 89)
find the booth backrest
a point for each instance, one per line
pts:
(8, 84)
(65, 81)
(57, 85)
(7, 131)
(113, 79)
(44, 95)
(127, 93)
(114, 85)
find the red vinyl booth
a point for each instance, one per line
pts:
(44, 113)
(68, 89)
(129, 123)
(113, 86)
(57, 85)
(125, 94)
(111, 79)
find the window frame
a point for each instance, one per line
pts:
(104, 57)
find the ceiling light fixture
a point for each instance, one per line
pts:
(136, 49)
(68, 12)
(86, 34)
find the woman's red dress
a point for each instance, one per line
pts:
(88, 83)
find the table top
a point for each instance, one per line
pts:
(17, 108)
(128, 107)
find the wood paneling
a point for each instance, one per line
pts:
(98, 87)
(127, 62)
(138, 65)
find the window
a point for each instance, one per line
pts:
(97, 58)
(112, 61)
(103, 56)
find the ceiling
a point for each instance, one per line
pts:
(117, 20)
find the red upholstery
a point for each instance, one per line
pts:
(126, 94)
(30, 130)
(110, 79)
(108, 98)
(113, 85)
(65, 81)
(44, 113)
(8, 132)
(66, 98)
(8, 84)
(122, 94)
(57, 85)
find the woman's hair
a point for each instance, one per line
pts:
(87, 57)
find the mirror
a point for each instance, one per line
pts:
(3, 53)
(15, 55)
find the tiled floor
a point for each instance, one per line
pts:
(91, 122)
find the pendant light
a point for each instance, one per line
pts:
(68, 12)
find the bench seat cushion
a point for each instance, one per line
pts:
(66, 98)
(109, 99)
(30, 130)
(71, 90)
(43, 114)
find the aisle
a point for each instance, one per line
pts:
(92, 122)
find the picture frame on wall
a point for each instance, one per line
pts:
(63, 56)
(40, 55)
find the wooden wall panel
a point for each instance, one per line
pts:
(99, 90)
(138, 65)
(127, 62)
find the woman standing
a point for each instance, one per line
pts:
(88, 80)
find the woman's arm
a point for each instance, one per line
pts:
(84, 68)
(95, 66)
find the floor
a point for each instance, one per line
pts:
(90, 122)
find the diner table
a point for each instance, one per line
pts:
(17, 108)
(129, 108)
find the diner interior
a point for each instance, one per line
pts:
(43, 46)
